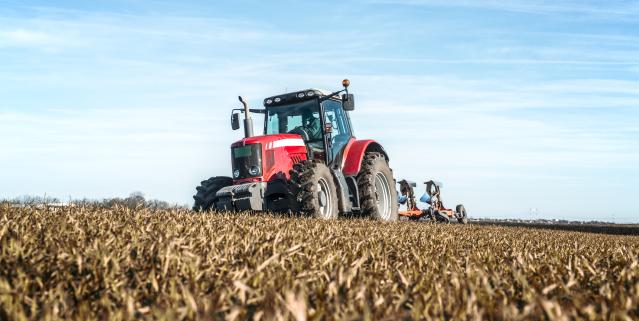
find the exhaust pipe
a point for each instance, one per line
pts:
(248, 121)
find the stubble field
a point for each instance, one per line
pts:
(95, 263)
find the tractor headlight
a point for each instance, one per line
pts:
(269, 101)
(236, 173)
(278, 99)
(254, 170)
(300, 95)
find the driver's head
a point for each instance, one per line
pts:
(307, 115)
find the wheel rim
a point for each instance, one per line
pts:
(383, 196)
(324, 192)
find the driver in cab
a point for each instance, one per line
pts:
(311, 124)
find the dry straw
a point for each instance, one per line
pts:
(95, 263)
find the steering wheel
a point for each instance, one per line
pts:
(300, 131)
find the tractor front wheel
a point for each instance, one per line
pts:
(205, 196)
(314, 189)
(377, 194)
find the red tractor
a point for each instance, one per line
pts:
(307, 161)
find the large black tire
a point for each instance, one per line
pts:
(377, 194)
(205, 195)
(462, 217)
(314, 189)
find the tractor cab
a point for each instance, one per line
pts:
(321, 119)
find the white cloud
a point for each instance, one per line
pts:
(611, 8)
(98, 153)
(27, 38)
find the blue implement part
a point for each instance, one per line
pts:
(425, 198)
(401, 199)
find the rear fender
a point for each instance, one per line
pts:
(354, 153)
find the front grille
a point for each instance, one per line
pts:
(296, 159)
(246, 157)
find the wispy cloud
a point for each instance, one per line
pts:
(609, 8)
(98, 153)
(501, 61)
(27, 38)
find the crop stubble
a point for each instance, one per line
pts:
(96, 263)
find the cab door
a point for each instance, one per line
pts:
(341, 133)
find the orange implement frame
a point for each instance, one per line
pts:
(417, 213)
(446, 211)
(414, 213)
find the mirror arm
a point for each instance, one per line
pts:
(329, 96)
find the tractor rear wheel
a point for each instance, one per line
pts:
(314, 189)
(462, 217)
(377, 194)
(205, 196)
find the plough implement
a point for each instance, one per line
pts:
(436, 210)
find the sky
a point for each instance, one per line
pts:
(524, 108)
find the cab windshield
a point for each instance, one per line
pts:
(302, 118)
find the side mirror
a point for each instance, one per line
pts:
(348, 102)
(235, 121)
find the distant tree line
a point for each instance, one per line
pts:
(32, 200)
(134, 200)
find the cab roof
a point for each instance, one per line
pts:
(294, 97)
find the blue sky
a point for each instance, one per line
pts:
(520, 107)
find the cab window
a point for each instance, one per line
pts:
(335, 115)
(285, 119)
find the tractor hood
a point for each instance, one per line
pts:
(274, 155)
